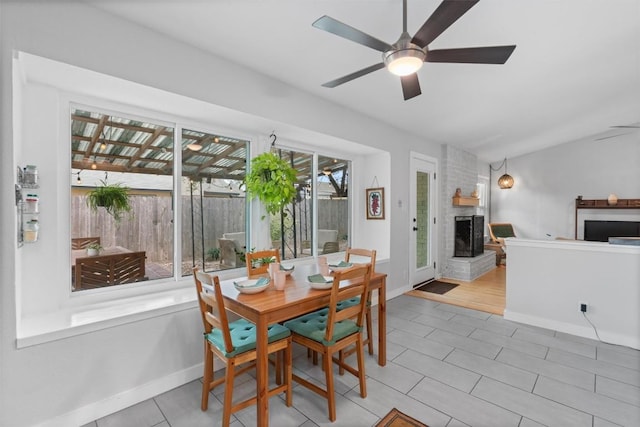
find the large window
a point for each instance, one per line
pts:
(213, 201)
(117, 159)
(333, 204)
(151, 217)
(292, 231)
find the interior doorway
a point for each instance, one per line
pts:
(423, 196)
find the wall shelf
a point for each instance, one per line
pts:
(603, 204)
(465, 201)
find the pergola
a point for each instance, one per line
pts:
(115, 144)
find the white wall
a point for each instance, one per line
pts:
(83, 377)
(547, 281)
(542, 201)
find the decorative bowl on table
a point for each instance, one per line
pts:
(287, 269)
(252, 286)
(342, 265)
(318, 281)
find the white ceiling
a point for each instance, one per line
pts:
(574, 73)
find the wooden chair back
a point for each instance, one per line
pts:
(500, 231)
(212, 310)
(83, 242)
(109, 270)
(342, 290)
(358, 252)
(330, 247)
(255, 267)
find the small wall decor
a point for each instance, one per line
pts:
(375, 203)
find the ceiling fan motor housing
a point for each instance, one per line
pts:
(405, 58)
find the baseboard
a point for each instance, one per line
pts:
(123, 400)
(585, 331)
(390, 294)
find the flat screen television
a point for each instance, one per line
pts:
(600, 231)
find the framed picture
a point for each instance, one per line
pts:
(375, 203)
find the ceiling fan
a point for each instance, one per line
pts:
(406, 56)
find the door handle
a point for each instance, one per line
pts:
(415, 228)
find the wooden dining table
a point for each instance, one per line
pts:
(297, 298)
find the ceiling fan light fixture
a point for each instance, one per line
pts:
(194, 146)
(404, 61)
(327, 171)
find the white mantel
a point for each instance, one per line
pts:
(548, 279)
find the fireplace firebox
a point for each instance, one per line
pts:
(469, 236)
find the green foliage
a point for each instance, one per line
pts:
(214, 254)
(272, 180)
(275, 226)
(242, 255)
(95, 246)
(113, 197)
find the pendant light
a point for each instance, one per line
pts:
(505, 181)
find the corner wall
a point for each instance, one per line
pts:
(458, 170)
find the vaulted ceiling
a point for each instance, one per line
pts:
(575, 72)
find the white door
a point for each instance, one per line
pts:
(423, 243)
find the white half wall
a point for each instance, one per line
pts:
(547, 281)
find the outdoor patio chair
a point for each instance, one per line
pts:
(83, 242)
(330, 247)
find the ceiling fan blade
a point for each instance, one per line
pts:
(410, 86)
(336, 27)
(446, 14)
(475, 55)
(349, 77)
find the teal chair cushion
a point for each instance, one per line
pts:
(346, 303)
(314, 326)
(243, 336)
(503, 231)
(350, 302)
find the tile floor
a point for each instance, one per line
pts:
(447, 366)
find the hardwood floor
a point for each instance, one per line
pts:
(486, 293)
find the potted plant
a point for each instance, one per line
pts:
(93, 249)
(214, 254)
(272, 180)
(113, 197)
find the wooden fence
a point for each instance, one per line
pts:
(150, 227)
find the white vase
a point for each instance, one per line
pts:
(612, 200)
(92, 252)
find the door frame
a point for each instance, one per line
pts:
(417, 159)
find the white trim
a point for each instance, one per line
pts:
(586, 331)
(115, 403)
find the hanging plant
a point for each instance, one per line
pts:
(272, 180)
(113, 197)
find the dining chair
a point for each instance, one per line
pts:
(255, 266)
(370, 256)
(235, 344)
(329, 331)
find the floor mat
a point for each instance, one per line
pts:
(396, 418)
(436, 287)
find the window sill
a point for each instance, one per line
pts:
(72, 321)
(86, 318)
